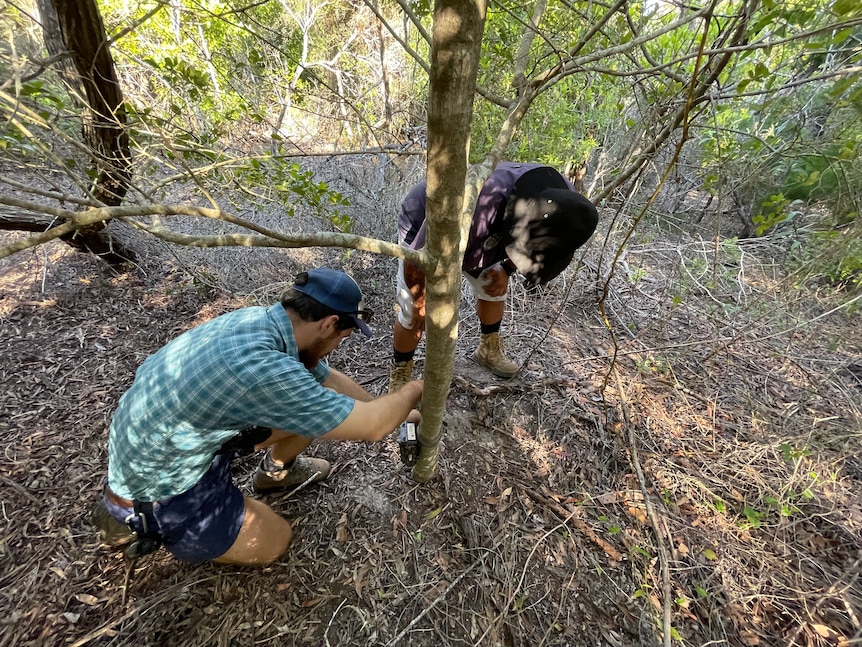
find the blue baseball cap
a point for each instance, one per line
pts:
(337, 291)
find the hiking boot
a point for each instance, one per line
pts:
(303, 469)
(400, 373)
(490, 354)
(111, 531)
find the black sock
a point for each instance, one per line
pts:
(399, 357)
(487, 329)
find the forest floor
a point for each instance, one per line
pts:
(685, 453)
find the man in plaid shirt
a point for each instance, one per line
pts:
(259, 370)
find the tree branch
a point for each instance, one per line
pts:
(265, 237)
(416, 23)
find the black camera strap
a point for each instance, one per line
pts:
(147, 539)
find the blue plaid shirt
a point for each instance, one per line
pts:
(239, 369)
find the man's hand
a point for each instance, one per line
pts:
(374, 420)
(414, 416)
(495, 281)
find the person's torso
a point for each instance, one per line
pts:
(483, 248)
(195, 393)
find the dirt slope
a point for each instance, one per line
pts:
(536, 530)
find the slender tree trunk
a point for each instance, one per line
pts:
(455, 47)
(81, 32)
(384, 76)
(211, 69)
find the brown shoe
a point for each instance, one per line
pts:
(111, 531)
(400, 373)
(303, 469)
(490, 354)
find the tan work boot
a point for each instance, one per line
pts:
(111, 531)
(303, 469)
(400, 373)
(490, 354)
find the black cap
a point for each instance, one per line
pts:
(545, 222)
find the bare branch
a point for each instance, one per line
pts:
(530, 31)
(265, 237)
(404, 44)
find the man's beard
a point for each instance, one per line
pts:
(310, 357)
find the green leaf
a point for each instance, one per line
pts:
(788, 510)
(709, 553)
(753, 516)
(844, 7)
(31, 88)
(434, 513)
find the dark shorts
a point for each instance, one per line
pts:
(201, 523)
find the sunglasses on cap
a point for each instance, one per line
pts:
(365, 314)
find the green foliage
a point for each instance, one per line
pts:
(290, 180)
(38, 91)
(790, 453)
(568, 121)
(835, 254)
(772, 212)
(181, 76)
(794, 153)
(289, 184)
(753, 517)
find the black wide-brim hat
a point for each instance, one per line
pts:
(544, 223)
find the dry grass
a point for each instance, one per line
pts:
(738, 399)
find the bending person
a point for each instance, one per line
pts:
(528, 219)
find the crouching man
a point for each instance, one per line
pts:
(257, 369)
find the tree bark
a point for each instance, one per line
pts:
(456, 43)
(78, 26)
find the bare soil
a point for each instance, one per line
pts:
(680, 447)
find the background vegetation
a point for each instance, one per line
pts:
(684, 450)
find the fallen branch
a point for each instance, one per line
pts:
(571, 518)
(436, 601)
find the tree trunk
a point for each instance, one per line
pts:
(81, 32)
(455, 47)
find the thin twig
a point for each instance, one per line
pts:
(139, 611)
(651, 514)
(436, 601)
(21, 489)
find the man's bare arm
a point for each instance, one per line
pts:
(338, 381)
(374, 420)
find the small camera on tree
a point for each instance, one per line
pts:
(408, 443)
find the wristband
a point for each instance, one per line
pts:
(508, 266)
